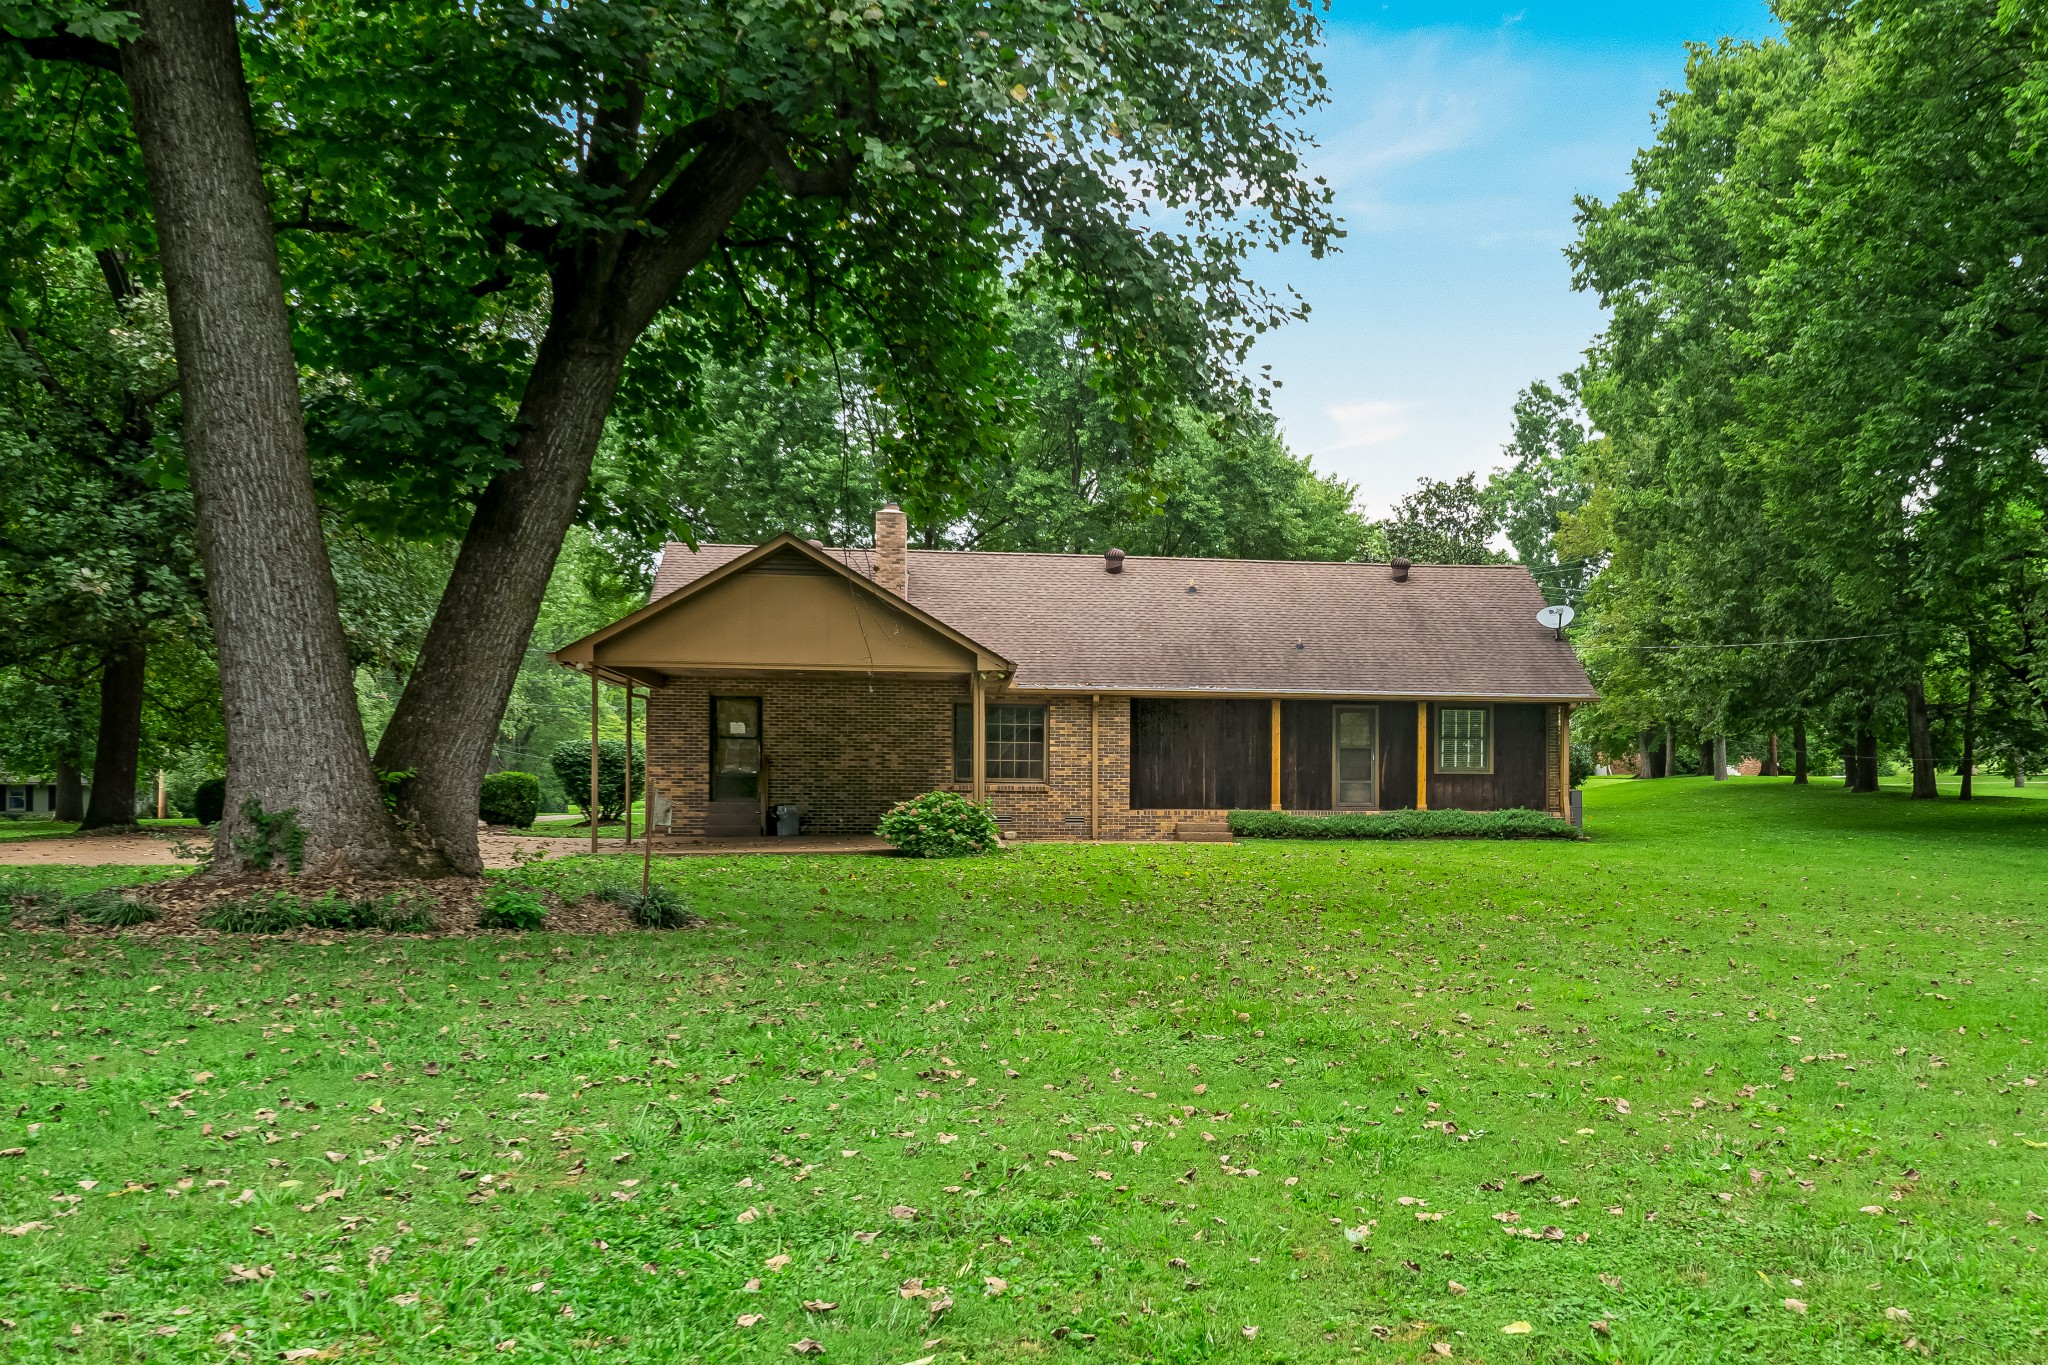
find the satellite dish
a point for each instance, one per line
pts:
(1557, 618)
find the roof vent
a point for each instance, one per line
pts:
(1401, 567)
(1113, 561)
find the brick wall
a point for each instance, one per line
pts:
(846, 749)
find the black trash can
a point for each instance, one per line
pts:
(782, 821)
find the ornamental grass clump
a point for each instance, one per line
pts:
(941, 825)
(658, 907)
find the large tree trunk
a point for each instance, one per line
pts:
(447, 718)
(1643, 753)
(1799, 769)
(1969, 740)
(70, 805)
(1720, 758)
(294, 736)
(1921, 741)
(1670, 753)
(1866, 758)
(117, 756)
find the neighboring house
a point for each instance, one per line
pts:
(1115, 698)
(26, 796)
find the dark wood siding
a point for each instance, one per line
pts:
(1520, 760)
(1200, 754)
(1397, 755)
(1305, 755)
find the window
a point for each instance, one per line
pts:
(1015, 738)
(1462, 739)
(17, 798)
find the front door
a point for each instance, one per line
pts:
(1356, 733)
(735, 748)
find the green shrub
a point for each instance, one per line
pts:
(513, 907)
(210, 801)
(571, 762)
(1402, 824)
(281, 912)
(940, 825)
(510, 798)
(658, 907)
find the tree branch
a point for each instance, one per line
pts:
(833, 179)
(667, 154)
(68, 47)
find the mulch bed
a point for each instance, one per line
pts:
(182, 902)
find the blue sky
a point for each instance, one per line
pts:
(1456, 136)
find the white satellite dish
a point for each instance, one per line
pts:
(1557, 618)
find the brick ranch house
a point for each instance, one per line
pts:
(1115, 697)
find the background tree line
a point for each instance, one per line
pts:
(1816, 499)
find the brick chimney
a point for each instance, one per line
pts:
(892, 550)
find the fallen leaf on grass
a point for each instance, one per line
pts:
(749, 1319)
(903, 1211)
(1518, 1329)
(1250, 1331)
(993, 1286)
(807, 1347)
(1796, 1305)
(818, 1306)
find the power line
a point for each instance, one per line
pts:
(1756, 644)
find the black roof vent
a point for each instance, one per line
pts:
(1401, 567)
(1113, 561)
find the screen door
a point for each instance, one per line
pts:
(735, 748)
(1357, 736)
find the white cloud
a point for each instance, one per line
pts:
(1367, 424)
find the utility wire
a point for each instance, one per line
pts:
(1756, 644)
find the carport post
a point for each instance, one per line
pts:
(980, 723)
(592, 812)
(629, 765)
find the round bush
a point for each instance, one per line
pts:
(510, 798)
(941, 825)
(210, 800)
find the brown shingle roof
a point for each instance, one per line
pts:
(1263, 627)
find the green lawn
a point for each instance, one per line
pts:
(1152, 1095)
(42, 829)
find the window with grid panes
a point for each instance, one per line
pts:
(1461, 739)
(1016, 743)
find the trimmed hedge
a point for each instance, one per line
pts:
(209, 801)
(1402, 824)
(510, 798)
